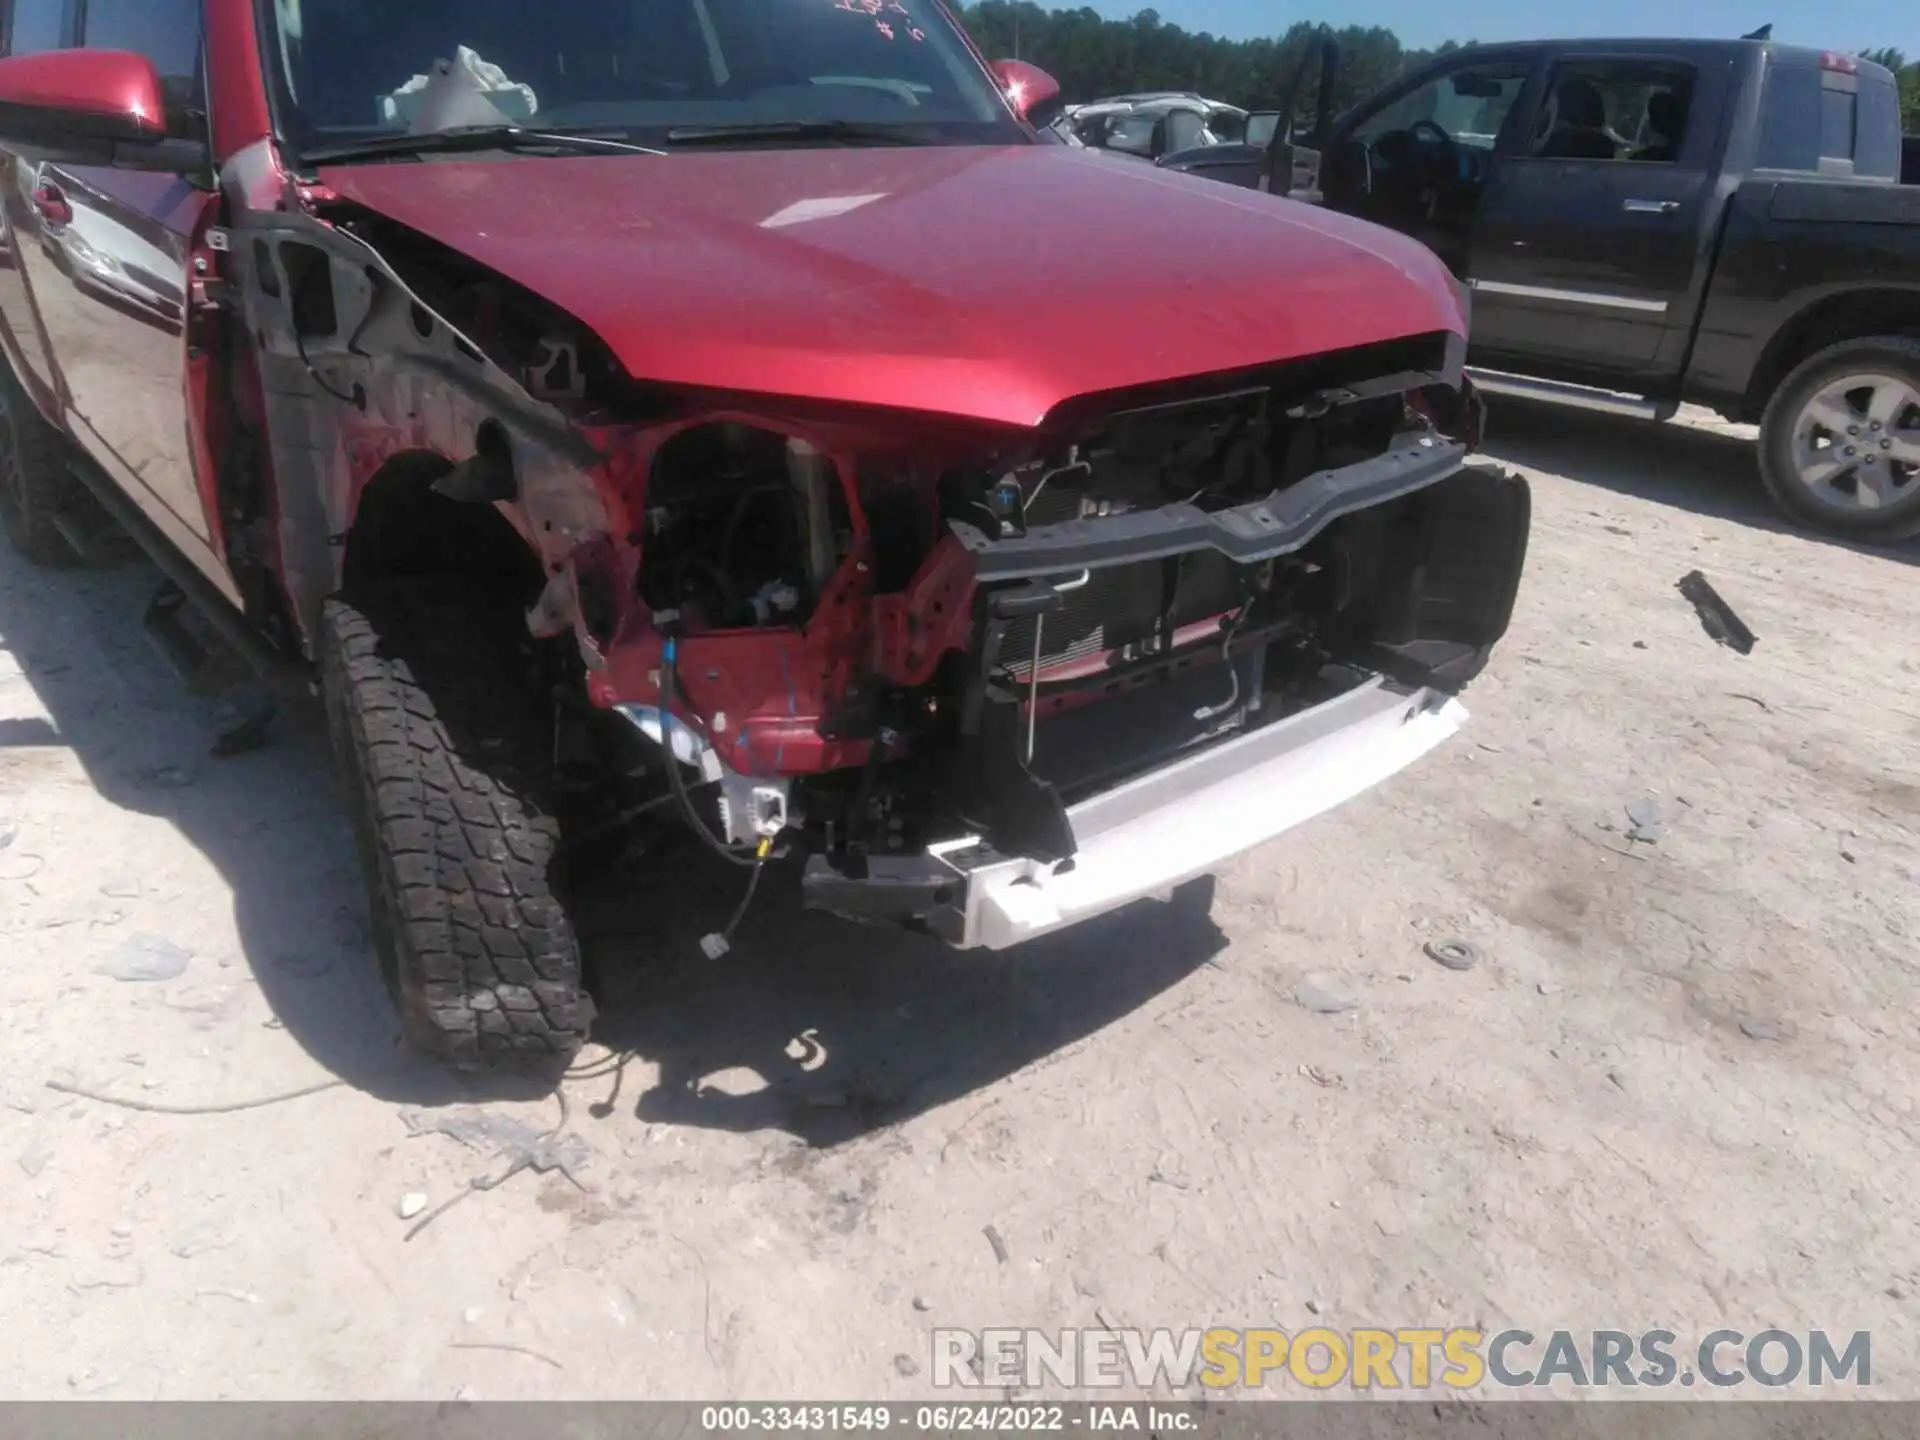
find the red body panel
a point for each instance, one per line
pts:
(987, 283)
(236, 85)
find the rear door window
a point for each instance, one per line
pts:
(1601, 108)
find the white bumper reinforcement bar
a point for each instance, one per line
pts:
(1170, 825)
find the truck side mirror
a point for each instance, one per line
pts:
(1031, 91)
(86, 107)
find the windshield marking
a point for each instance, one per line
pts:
(875, 8)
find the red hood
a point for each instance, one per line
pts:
(990, 283)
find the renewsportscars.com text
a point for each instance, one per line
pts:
(1378, 1359)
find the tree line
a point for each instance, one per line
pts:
(1092, 56)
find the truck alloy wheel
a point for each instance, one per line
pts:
(1841, 441)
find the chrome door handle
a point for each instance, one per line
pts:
(1651, 207)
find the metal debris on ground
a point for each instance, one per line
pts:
(1759, 1030)
(1000, 1251)
(1648, 827)
(1716, 616)
(511, 1140)
(1454, 954)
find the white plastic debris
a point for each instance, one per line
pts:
(411, 1204)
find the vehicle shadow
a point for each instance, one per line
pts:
(828, 1030)
(1703, 471)
(884, 1023)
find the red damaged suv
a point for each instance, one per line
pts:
(734, 410)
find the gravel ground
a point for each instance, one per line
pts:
(1679, 1091)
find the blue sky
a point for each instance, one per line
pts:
(1853, 26)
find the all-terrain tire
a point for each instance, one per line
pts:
(442, 728)
(1895, 357)
(34, 482)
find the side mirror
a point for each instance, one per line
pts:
(1033, 93)
(87, 107)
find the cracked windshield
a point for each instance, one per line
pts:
(350, 71)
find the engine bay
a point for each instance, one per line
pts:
(884, 652)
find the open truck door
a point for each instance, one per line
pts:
(1292, 160)
(1274, 155)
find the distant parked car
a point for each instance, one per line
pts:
(1156, 124)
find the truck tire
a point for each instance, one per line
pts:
(34, 482)
(1840, 439)
(442, 730)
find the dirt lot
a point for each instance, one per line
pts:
(1680, 1091)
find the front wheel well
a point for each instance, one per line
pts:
(403, 529)
(1851, 315)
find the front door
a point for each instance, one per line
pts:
(1419, 158)
(1587, 238)
(109, 267)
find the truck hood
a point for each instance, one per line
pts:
(986, 283)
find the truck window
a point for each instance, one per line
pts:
(1632, 110)
(1470, 104)
(1825, 120)
(37, 25)
(1876, 134)
(167, 32)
